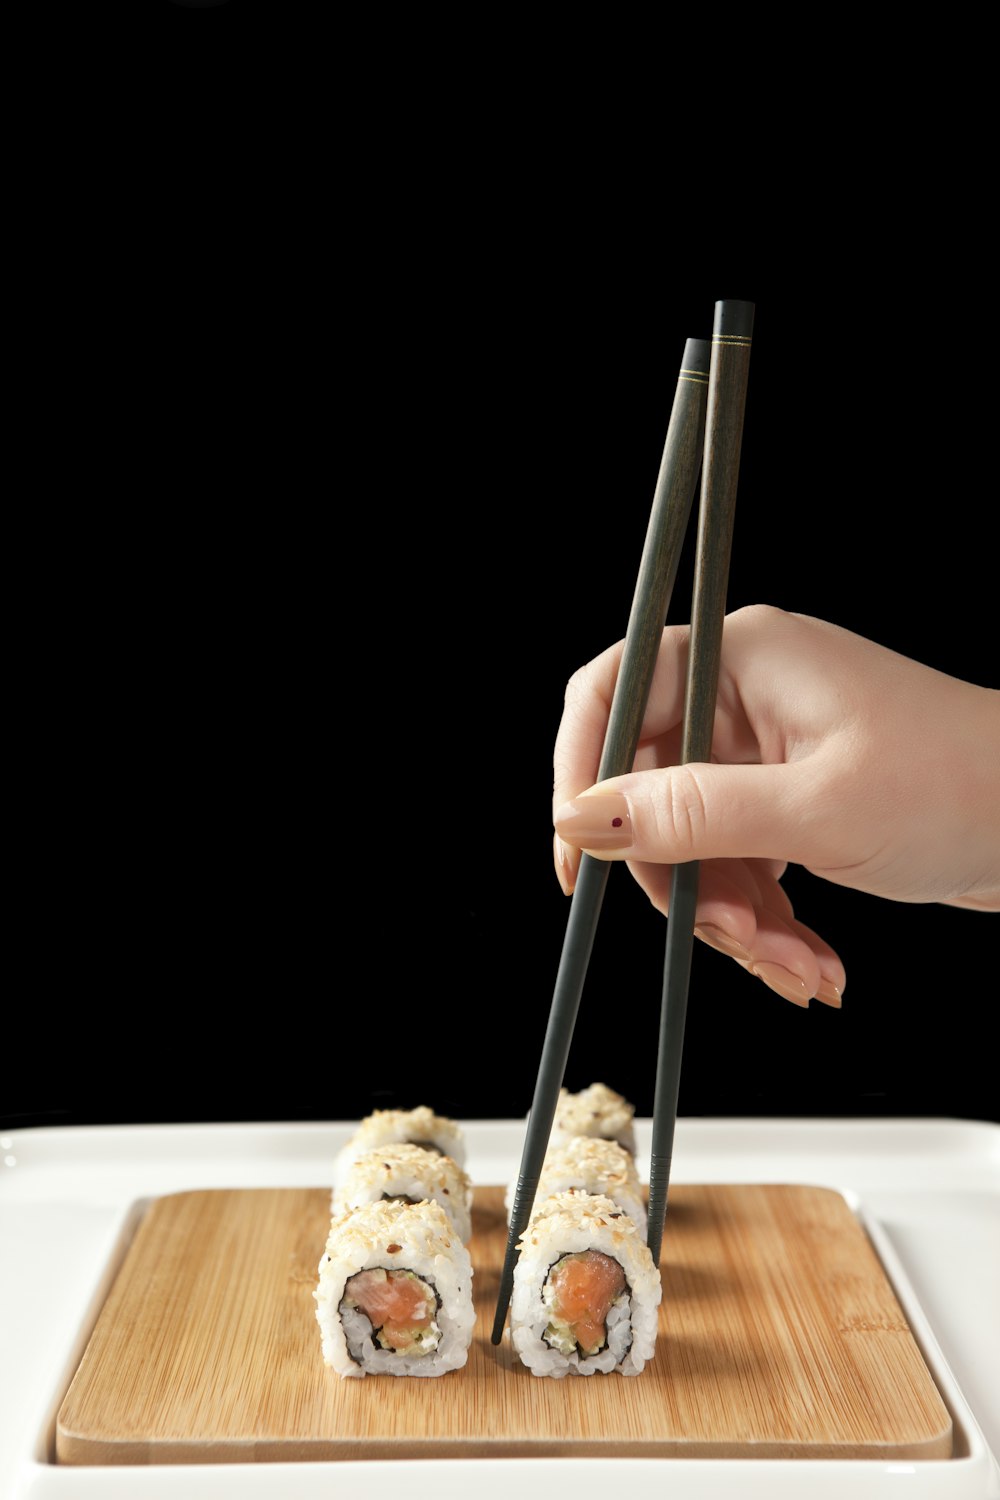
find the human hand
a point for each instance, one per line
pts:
(829, 751)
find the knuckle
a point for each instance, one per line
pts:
(758, 617)
(578, 686)
(684, 811)
(596, 678)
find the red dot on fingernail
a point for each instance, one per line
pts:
(616, 822)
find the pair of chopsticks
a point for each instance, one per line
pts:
(704, 434)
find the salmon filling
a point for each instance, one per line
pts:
(579, 1292)
(400, 1307)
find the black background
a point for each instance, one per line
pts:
(370, 477)
(297, 861)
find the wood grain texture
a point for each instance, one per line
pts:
(780, 1336)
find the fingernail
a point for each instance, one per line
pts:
(783, 982)
(599, 822)
(716, 938)
(828, 993)
(569, 860)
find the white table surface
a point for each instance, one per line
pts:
(928, 1191)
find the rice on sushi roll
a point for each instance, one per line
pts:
(596, 1111)
(586, 1291)
(395, 1292)
(410, 1173)
(589, 1164)
(415, 1127)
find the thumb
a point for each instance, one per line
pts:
(697, 811)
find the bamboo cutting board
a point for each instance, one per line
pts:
(780, 1336)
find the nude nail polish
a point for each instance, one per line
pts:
(569, 862)
(828, 993)
(716, 938)
(783, 982)
(599, 822)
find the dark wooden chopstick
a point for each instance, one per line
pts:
(672, 501)
(723, 439)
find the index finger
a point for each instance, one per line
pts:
(587, 709)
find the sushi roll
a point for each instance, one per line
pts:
(597, 1111)
(416, 1127)
(589, 1164)
(586, 1291)
(394, 1295)
(411, 1173)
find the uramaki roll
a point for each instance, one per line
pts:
(395, 1292)
(417, 1127)
(586, 1291)
(597, 1111)
(411, 1173)
(589, 1164)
